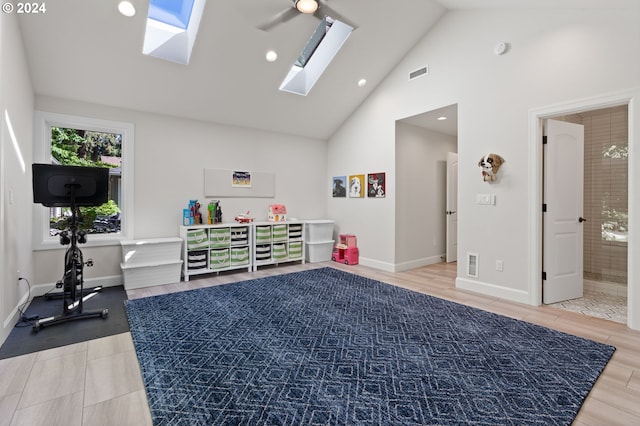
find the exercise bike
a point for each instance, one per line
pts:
(69, 186)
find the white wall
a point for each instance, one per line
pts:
(421, 163)
(16, 106)
(553, 57)
(170, 157)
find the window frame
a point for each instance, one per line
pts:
(43, 122)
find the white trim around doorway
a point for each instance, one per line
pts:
(630, 98)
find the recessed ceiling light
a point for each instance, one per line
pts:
(126, 8)
(362, 82)
(441, 118)
(271, 56)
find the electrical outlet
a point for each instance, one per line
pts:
(499, 265)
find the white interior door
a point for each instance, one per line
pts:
(452, 207)
(562, 223)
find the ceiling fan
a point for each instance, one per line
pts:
(318, 8)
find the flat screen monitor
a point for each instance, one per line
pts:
(52, 185)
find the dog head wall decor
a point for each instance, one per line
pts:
(490, 164)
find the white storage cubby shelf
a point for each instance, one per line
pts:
(215, 248)
(277, 242)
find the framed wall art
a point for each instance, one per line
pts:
(241, 179)
(356, 186)
(376, 185)
(339, 186)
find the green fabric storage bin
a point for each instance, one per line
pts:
(279, 251)
(197, 239)
(295, 250)
(219, 258)
(219, 237)
(239, 256)
(263, 234)
(279, 233)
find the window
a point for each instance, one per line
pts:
(613, 167)
(71, 140)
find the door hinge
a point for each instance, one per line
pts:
(544, 140)
(544, 208)
(544, 276)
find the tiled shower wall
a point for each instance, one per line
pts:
(605, 193)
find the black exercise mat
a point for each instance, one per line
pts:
(24, 340)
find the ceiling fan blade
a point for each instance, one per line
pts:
(282, 17)
(325, 10)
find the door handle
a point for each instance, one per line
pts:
(581, 219)
(449, 212)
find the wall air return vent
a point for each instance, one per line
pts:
(472, 265)
(419, 72)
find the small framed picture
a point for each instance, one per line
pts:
(356, 186)
(241, 179)
(376, 186)
(339, 186)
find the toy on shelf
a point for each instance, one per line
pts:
(195, 217)
(243, 218)
(346, 251)
(214, 212)
(277, 213)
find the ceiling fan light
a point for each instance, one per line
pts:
(306, 6)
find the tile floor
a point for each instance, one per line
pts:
(90, 383)
(597, 304)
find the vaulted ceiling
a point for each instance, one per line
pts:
(86, 50)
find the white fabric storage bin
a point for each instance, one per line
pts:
(319, 231)
(155, 250)
(318, 251)
(239, 236)
(152, 274)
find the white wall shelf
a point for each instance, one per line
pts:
(229, 246)
(278, 242)
(215, 248)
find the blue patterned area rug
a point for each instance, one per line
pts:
(326, 347)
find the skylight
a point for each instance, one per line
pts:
(324, 44)
(171, 12)
(172, 27)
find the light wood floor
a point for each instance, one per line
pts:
(99, 382)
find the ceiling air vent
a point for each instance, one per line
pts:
(419, 72)
(472, 265)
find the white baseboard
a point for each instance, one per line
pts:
(405, 266)
(14, 316)
(399, 267)
(112, 281)
(488, 289)
(384, 266)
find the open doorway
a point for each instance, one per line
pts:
(604, 213)
(423, 144)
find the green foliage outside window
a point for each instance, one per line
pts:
(77, 147)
